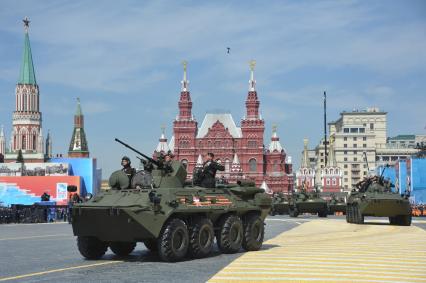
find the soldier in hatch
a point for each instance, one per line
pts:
(209, 171)
(127, 169)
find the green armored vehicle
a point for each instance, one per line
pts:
(307, 202)
(279, 204)
(336, 204)
(373, 197)
(170, 216)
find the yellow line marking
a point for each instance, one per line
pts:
(58, 270)
(33, 237)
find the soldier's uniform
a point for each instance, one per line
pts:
(209, 173)
(127, 169)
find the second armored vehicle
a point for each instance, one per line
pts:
(307, 202)
(279, 204)
(336, 204)
(373, 197)
(170, 216)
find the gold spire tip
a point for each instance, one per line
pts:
(252, 64)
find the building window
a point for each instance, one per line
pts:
(217, 144)
(354, 130)
(251, 144)
(334, 181)
(354, 138)
(34, 142)
(322, 160)
(365, 165)
(252, 165)
(24, 142)
(355, 152)
(364, 138)
(345, 166)
(345, 159)
(345, 145)
(355, 145)
(328, 182)
(355, 159)
(365, 173)
(322, 154)
(345, 152)
(362, 130)
(371, 126)
(275, 166)
(346, 130)
(364, 145)
(345, 138)
(227, 165)
(346, 179)
(345, 172)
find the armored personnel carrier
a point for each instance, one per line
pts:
(307, 202)
(336, 204)
(279, 204)
(373, 197)
(170, 216)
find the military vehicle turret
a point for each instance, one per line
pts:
(170, 215)
(279, 204)
(373, 197)
(307, 202)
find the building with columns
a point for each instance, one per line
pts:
(27, 134)
(241, 149)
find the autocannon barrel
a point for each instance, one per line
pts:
(138, 152)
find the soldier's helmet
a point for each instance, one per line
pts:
(126, 158)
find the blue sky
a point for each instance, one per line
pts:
(123, 59)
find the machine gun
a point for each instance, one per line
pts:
(155, 162)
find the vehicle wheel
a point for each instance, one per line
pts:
(322, 214)
(201, 238)
(254, 231)
(404, 220)
(122, 248)
(230, 236)
(91, 247)
(173, 242)
(293, 212)
(359, 218)
(348, 214)
(151, 245)
(393, 220)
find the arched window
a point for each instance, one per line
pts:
(328, 181)
(24, 142)
(326, 171)
(275, 166)
(184, 163)
(227, 165)
(252, 165)
(333, 181)
(34, 142)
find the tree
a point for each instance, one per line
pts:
(20, 158)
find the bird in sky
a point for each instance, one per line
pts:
(229, 49)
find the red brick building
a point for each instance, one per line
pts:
(240, 149)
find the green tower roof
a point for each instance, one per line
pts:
(27, 74)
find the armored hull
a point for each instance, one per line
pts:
(303, 202)
(170, 217)
(375, 198)
(279, 205)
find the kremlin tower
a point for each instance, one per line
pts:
(27, 133)
(305, 176)
(78, 145)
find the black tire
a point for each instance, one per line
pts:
(122, 248)
(293, 212)
(404, 220)
(201, 238)
(173, 242)
(230, 235)
(91, 247)
(254, 231)
(151, 245)
(322, 214)
(348, 220)
(359, 218)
